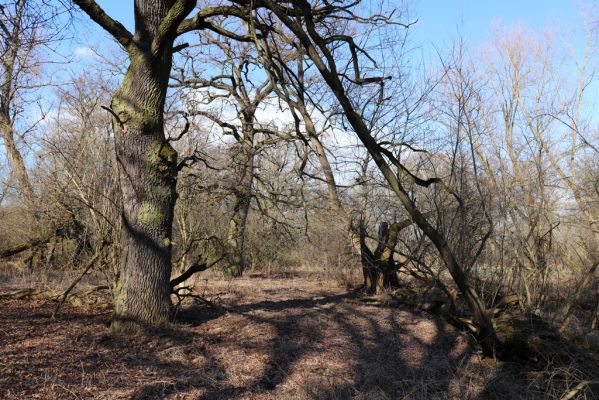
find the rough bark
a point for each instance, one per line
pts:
(147, 163)
(147, 175)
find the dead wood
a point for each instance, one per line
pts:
(14, 250)
(64, 296)
(193, 269)
(28, 294)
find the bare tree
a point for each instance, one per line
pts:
(558, 130)
(27, 28)
(235, 83)
(79, 179)
(312, 26)
(297, 86)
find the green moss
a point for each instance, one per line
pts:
(150, 215)
(160, 152)
(233, 233)
(168, 152)
(142, 112)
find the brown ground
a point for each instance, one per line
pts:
(287, 338)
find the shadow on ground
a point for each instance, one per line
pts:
(313, 346)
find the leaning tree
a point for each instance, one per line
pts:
(318, 29)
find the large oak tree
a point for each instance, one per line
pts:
(147, 162)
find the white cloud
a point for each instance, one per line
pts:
(83, 52)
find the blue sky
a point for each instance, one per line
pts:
(119, 10)
(440, 23)
(439, 20)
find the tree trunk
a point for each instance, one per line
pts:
(147, 163)
(147, 174)
(15, 160)
(13, 42)
(379, 269)
(244, 156)
(379, 278)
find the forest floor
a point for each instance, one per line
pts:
(269, 338)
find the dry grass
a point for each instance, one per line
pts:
(274, 338)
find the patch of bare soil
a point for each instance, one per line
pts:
(288, 338)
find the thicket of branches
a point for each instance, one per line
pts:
(308, 135)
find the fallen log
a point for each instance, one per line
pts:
(12, 251)
(28, 294)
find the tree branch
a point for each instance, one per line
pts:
(89, 265)
(199, 21)
(195, 268)
(167, 29)
(98, 15)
